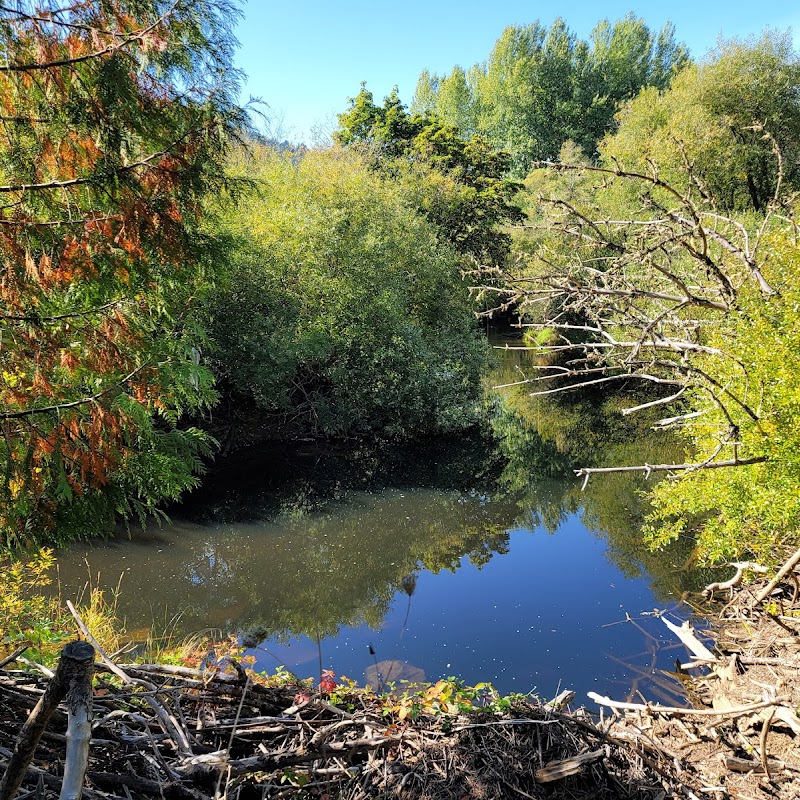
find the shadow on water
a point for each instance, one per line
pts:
(315, 553)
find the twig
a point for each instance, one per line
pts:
(763, 743)
(233, 733)
(14, 656)
(648, 468)
(168, 720)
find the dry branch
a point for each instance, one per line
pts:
(736, 580)
(648, 469)
(686, 634)
(782, 573)
(169, 723)
(558, 770)
(650, 709)
(76, 660)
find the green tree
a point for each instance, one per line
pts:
(755, 507)
(425, 94)
(459, 184)
(730, 118)
(543, 86)
(115, 116)
(343, 313)
(661, 266)
(454, 102)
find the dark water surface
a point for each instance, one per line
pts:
(485, 563)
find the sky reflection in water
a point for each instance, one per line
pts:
(517, 606)
(458, 559)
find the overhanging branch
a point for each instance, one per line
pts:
(650, 468)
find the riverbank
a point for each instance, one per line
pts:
(221, 730)
(741, 738)
(194, 734)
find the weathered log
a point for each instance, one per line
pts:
(76, 659)
(685, 633)
(79, 727)
(735, 764)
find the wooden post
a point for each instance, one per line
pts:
(79, 726)
(74, 668)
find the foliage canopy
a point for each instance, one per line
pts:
(458, 183)
(673, 263)
(542, 86)
(115, 116)
(343, 312)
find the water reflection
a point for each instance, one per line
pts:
(476, 558)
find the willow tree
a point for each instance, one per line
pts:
(114, 115)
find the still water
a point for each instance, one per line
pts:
(473, 559)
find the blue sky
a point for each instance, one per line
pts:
(304, 59)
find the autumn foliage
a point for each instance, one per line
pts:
(114, 115)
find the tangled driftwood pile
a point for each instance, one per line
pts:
(741, 739)
(174, 732)
(225, 736)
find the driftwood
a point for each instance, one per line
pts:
(168, 721)
(792, 562)
(558, 770)
(650, 709)
(686, 634)
(736, 580)
(73, 668)
(561, 701)
(79, 726)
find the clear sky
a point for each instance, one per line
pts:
(306, 58)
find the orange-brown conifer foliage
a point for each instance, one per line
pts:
(114, 116)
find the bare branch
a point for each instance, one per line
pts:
(40, 320)
(59, 407)
(650, 468)
(623, 376)
(660, 402)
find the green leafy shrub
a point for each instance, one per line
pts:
(754, 508)
(342, 312)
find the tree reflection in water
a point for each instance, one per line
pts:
(302, 544)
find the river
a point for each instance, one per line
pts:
(462, 558)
